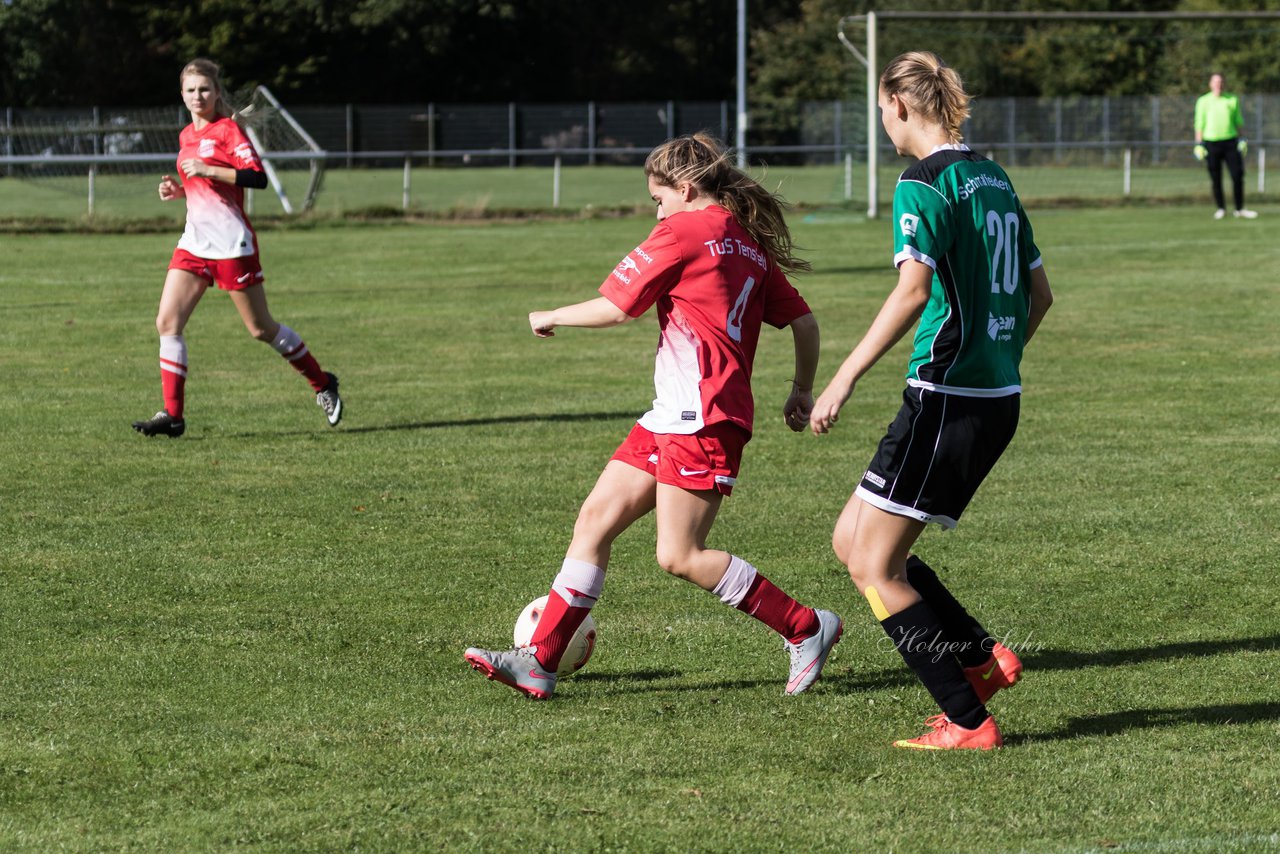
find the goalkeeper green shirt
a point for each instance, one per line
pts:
(957, 212)
(1218, 116)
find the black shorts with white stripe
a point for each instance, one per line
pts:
(938, 450)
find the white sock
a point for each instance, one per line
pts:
(173, 354)
(736, 581)
(288, 344)
(578, 583)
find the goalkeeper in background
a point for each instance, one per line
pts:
(1218, 140)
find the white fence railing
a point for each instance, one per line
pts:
(90, 166)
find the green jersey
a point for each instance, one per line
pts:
(957, 212)
(1218, 116)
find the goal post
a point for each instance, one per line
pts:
(283, 144)
(870, 22)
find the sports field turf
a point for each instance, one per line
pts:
(251, 637)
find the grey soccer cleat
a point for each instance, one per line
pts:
(515, 667)
(810, 655)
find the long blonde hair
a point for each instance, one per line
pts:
(208, 68)
(703, 161)
(932, 87)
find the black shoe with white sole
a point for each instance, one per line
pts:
(328, 400)
(161, 424)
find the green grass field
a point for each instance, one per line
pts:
(251, 637)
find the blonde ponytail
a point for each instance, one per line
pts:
(932, 87)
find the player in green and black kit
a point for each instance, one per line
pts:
(1218, 125)
(970, 273)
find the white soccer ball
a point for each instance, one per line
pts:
(581, 645)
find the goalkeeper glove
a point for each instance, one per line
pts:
(1242, 146)
(1200, 152)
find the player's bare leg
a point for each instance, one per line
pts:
(251, 303)
(622, 495)
(875, 544)
(179, 298)
(685, 518)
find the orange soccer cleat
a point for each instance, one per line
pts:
(1001, 671)
(946, 734)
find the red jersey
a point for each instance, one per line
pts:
(713, 287)
(216, 224)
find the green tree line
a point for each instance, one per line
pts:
(128, 52)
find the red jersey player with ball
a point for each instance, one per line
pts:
(218, 247)
(714, 268)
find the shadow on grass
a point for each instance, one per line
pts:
(1061, 659)
(842, 683)
(848, 678)
(845, 678)
(447, 423)
(1117, 723)
(667, 682)
(1064, 659)
(853, 679)
(627, 676)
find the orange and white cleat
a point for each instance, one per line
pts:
(946, 734)
(1001, 671)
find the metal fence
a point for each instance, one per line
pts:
(1023, 133)
(459, 133)
(502, 130)
(1041, 129)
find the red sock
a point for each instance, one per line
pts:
(778, 611)
(173, 373)
(307, 365)
(290, 346)
(555, 629)
(573, 593)
(173, 387)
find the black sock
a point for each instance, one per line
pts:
(971, 642)
(917, 633)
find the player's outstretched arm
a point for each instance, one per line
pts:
(799, 405)
(596, 313)
(898, 314)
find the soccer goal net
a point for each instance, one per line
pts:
(294, 163)
(97, 161)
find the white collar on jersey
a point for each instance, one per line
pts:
(950, 146)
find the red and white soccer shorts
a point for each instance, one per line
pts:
(230, 274)
(708, 459)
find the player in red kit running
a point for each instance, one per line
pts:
(219, 247)
(715, 268)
